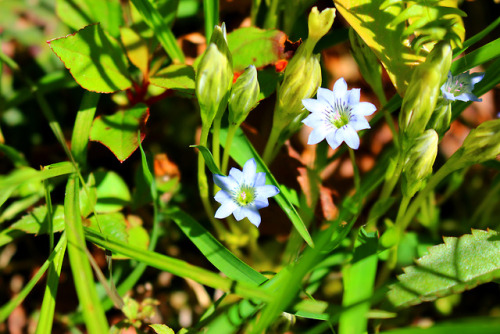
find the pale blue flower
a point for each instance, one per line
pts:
(460, 87)
(243, 193)
(337, 115)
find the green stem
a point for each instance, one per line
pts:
(355, 169)
(203, 185)
(272, 15)
(216, 140)
(229, 140)
(271, 145)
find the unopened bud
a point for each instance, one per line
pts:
(419, 161)
(244, 95)
(214, 76)
(423, 91)
(441, 117)
(319, 23)
(482, 144)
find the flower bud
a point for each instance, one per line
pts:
(441, 117)
(214, 76)
(244, 95)
(419, 161)
(423, 91)
(482, 144)
(319, 23)
(368, 63)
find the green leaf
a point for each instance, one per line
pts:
(36, 222)
(254, 46)
(214, 251)
(209, 159)
(483, 325)
(88, 197)
(241, 151)
(162, 329)
(109, 225)
(136, 48)
(176, 77)
(398, 58)
(118, 132)
(94, 59)
(112, 192)
(457, 265)
(83, 124)
(79, 13)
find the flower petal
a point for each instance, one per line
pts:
(351, 137)
(333, 140)
(358, 122)
(236, 174)
(364, 108)
(222, 196)
(266, 191)
(325, 95)
(314, 105)
(252, 214)
(340, 89)
(354, 96)
(314, 119)
(476, 77)
(260, 179)
(227, 183)
(250, 172)
(226, 209)
(318, 134)
(239, 214)
(260, 204)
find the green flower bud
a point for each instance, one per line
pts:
(419, 161)
(319, 23)
(244, 95)
(214, 76)
(482, 144)
(441, 117)
(423, 91)
(368, 63)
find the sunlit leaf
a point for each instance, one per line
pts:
(94, 59)
(136, 48)
(456, 265)
(177, 77)
(118, 132)
(112, 192)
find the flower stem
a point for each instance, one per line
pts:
(203, 185)
(216, 140)
(271, 145)
(231, 131)
(355, 169)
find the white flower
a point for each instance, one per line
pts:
(460, 87)
(243, 193)
(337, 115)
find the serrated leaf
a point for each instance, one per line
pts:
(457, 265)
(176, 77)
(94, 59)
(112, 192)
(254, 46)
(118, 132)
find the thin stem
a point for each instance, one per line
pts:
(271, 145)
(355, 169)
(231, 131)
(203, 185)
(216, 140)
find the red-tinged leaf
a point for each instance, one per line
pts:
(94, 59)
(118, 132)
(254, 46)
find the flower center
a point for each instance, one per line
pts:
(457, 85)
(340, 115)
(245, 195)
